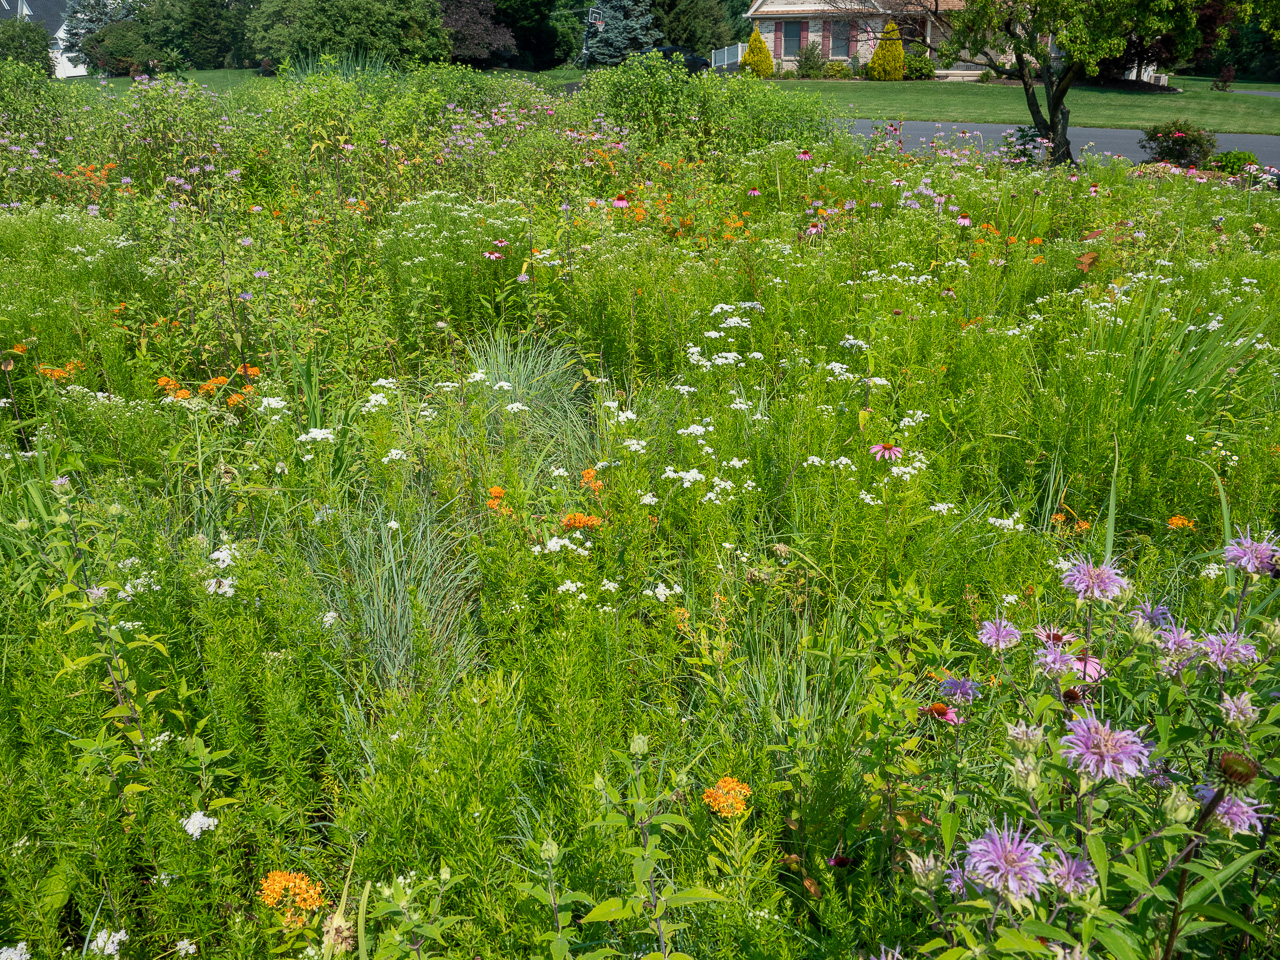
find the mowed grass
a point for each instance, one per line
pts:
(1090, 106)
(219, 81)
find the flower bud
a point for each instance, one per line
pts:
(23, 525)
(639, 745)
(115, 510)
(927, 870)
(1179, 807)
(1025, 739)
(550, 850)
(1026, 773)
(445, 873)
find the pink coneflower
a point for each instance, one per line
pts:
(963, 221)
(1007, 862)
(1089, 668)
(1101, 582)
(813, 228)
(753, 192)
(1053, 636)
(500, 243)
(493, 255)
(1098, 751)
(1072, 875)
(999, 634)
(620, 202)
(804, 155)
(886, 451)
(1252, 556)
(941, 711)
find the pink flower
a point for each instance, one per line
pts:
(493, 255)
(886, 451)
(500, 243)
(804, 155)
(941, 711)
(753, 192)
(620, 202)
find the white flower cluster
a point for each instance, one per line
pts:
(317, 434)
(225, 555)
(107, 943)
(556, 544)
(662, 593)
(198, 823)
(375, 401)
(1009, 524)
(18, 951)
(394, 454)
(221, 586)
(943, 508)
(635, 446)
(687, 477)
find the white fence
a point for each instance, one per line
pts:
(728, 56)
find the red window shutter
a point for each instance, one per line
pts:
(826, 38)
(804, 34)
(777, 39)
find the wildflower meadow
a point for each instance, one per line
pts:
(444, 518)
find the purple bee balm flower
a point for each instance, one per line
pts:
(1239, 710)
(886, 451)
(961, 689)
(261, 274)
(999, 634)
(1252, 556)
(1101, 582)
(1055, 662)
(246, 295)
(1175, 639)
(1007, 861)
(1234, 814)
(1225, 649)
(1154, 615)
(1097, 751)
(1072, 875)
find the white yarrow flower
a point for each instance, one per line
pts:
(198, 823)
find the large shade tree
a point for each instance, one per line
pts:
(1050, 45)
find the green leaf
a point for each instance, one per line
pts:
(1217, 911)
(1098, 854)
(1017, 940)
(223, 802)
(692, 895)
(950, 823)
(1219, 879)
(1117, 943)
(611, 909)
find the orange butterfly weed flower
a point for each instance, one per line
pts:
(183, 394)
(168, 385)
(210, 386)
(1059, 518)
(728, 798)
(19, 348)
(294, 895)
(1179, 522)
(589, 480)
(581, 521)
(247, 371)
(235, 400)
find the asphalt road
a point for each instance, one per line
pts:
(1097, 140)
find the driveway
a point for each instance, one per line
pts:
(1097, 140)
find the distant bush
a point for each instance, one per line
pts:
(1179, 142)
(1226, 79)
(1233, 162)
(886, 62)
(837, 70)
(811, 61)
(121, 49)
(986, 76)
(917, 64)
(758, 61)
(26, 42)
(787, 75)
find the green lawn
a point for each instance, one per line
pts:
(1090, 107)
(219, 81)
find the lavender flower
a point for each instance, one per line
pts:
(1072, 875)
(999, 634)
(1098, 751)
(1175, 639)
(1153, 615)
(1101, 582)
(1222, 650)
(956, 880)
(961, 689)
(1234, 814)
(1252, 556)
(1055, 662)
(1007, 862)
(1239, 710)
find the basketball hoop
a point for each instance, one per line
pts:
(595, 18)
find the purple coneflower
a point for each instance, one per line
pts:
(1234, 814)
(501, 243)
(813, 228)
(886, 451)
(1007, 861)
(1089, 668)
(1053, 636)
(1101, 582)
(804, 155)
(1154, 615)
(961, 689)
(493, 255)
(620, 202)
(753, 192)
(999, 634)
(1054, 661)
(941, 711)
(1252, 556)
(1224, 649)
(1098, 751)
(963, 221)
(1072, 875)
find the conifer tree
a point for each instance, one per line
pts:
(758, 59)
(628, 27)
(886, 62)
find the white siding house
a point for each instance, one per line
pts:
(49, 14)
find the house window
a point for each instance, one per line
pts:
(840, 40)
(791, 38)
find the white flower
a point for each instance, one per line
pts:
(502, 385)
(649, 499)
(870, 499)
(18, 951)
(393, 525)
(1007, 599)
(329, 619)
(569, 587)
(661, 592)
(1212, 571)
(693, 430)
(107, 944)
(556, 544)
(226, 586)
(735, 463)
(1009, 524)
(375, 401)
(559, 472)
(394, 454)
(624, 415)
(185, 948)
(272, 403)
(281, 468)
(388, 385)
(516, 408)
(316, 433)
(225, 555)
(943, 508)
(198, 823)
(479, 376)
(609, 585)
(815, 462)
(635, 446)
(688, 477)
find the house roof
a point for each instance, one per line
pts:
(47, 13)
(782, 9)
